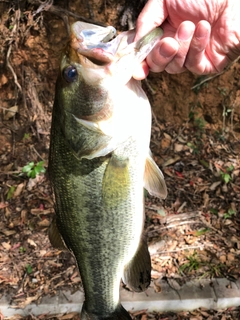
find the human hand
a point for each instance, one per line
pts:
(202, 36)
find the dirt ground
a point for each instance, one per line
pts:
(195, 141)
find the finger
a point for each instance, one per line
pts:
(152, 16)
(183, 37)
(162, 54)
(141, 71)
(196, 60)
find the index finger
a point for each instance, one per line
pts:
(152, 16)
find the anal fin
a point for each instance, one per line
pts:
(137, 272)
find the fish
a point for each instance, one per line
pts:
(100, 163)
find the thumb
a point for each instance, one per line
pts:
(152, 16)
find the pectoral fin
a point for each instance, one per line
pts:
(154, 179)
(92, 142)
(116, 180)
(88, 124)
(55, 236)
(137, 273)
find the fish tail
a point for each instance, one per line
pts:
(119, 314)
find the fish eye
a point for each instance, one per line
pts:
(70, 73)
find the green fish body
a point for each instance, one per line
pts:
(99, 164)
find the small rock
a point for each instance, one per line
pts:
(231, 257)
(222, 258)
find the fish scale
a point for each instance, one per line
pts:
(98, 162)
(105, 229)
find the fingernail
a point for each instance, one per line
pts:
(166, 51)
(184, 33)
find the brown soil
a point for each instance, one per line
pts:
(195, 140)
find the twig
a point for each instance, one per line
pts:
(48, 6)
(6, 109)
(32, 147)
(183, 216)
(232, 114)
(219, 232)
(182, 206)
(214, 76)
(16, 25)
(172, 287)
(13, 143)
(177, 224)
(45, 6)
(10, 172)
(208, 79)
(178, 267)
(224, 117)
(24, 93)
(158, 230)
(181, 249)
(151, 208)
(155, 118)
(150, 88)
(11, 68)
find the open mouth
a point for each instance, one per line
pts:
(94, 42)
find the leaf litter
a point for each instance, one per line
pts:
(193, 234)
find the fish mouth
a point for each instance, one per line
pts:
(97, 43)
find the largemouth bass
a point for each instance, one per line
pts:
(100, 163)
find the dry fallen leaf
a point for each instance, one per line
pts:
(18, 190)
(6, 245)
(31, 242)
(10, 112)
